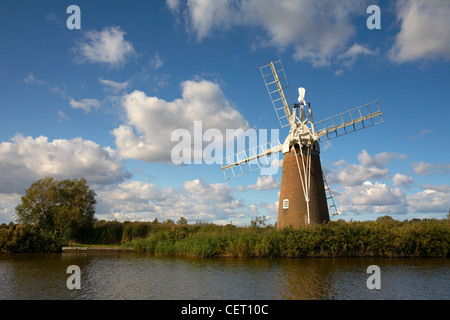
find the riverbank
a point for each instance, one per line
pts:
(98, 248)
(390, 238)
(384, 237)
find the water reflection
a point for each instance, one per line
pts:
(139, 276)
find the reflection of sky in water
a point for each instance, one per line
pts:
(135, 276)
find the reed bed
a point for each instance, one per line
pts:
(425, 238)
(384, 237)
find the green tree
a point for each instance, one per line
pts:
(62, 209)
(182, 220)
(258, 222)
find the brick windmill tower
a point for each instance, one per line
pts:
(303, 192)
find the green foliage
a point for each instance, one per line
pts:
(58, 210)
(18, 239)
(382, 238)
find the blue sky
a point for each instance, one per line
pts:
(101, 101)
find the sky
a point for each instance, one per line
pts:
(100, 93)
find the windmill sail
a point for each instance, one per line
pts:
(249, 160)
(279, 91)
(349, 121)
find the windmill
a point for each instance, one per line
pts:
(303, 191)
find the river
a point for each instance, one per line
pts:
(127, 276)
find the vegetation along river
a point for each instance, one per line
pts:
(144, 276)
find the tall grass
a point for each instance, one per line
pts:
(384, 237)
(418, 238)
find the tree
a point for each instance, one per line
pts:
(63, 209)
(259, 222)
(182, 220)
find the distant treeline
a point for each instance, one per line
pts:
(384, 237)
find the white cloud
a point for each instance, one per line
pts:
(195, 200)
(425, 168)
(318, 30)
(424, 32)
(8, 202)
(429, 201)
(441, 188)
(156, 62)
(371, 198)
(422, 168)
(107, 46)
(380, 159)
(85, 104)
(150, 121)
(263, 183)
(173, 5)
(113, 86)
(349, 57)
(356, 194)
(378, 194)
(62, 116)
(369, 167)
(26, 159)
(402, 180)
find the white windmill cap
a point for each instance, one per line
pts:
(301, 95)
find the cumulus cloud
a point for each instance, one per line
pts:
(24, 160)
(369, 167)
(402, 180)
(317, 30)
(439, 188)
(424, 32)
(107, 46)
(371, 198)
(430, 200)
(195, 200)
(8, 202)
(263, 183)
(357, 188)
(425, 168)
(151, 121)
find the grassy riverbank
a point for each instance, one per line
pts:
(382, 238)
(429, 238)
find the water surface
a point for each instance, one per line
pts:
(141, 276)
